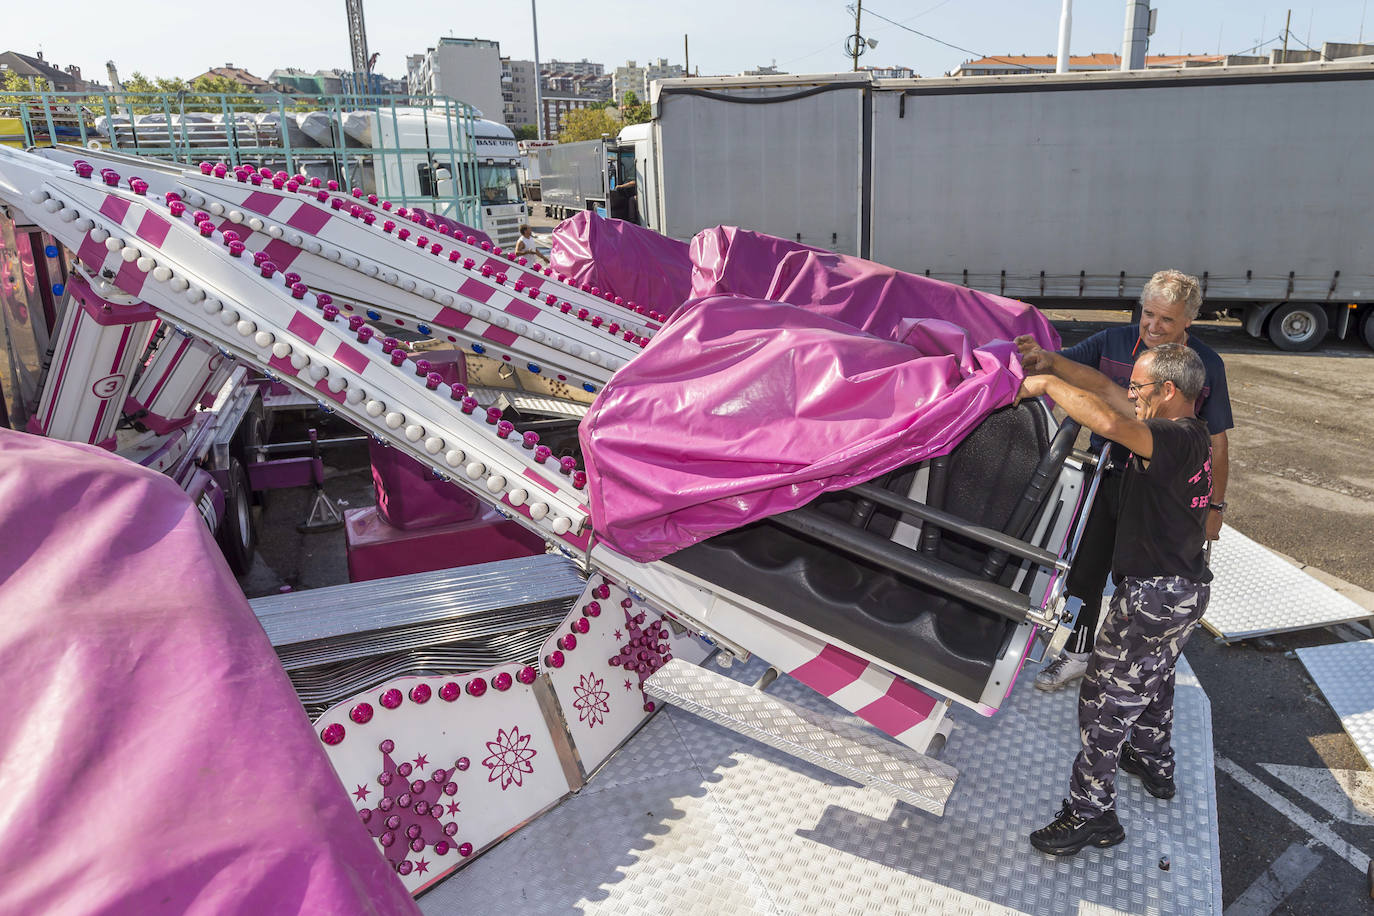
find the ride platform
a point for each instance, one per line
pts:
(690, 817)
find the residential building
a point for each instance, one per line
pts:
(556, 109)
(581, 67)
(321, 82)
(769, 70)
(570, 84)
(467, 69)
(61, 79)
(1009, 64)
(518, 92)
(237, 75)
(636, 79)
(891, 73)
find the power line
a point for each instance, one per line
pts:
(947, 44)
(1321, 54)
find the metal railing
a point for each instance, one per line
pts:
(271, 130)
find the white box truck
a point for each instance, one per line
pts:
(1058, 189)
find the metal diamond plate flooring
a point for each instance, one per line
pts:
(692, 818)
(1255, 592)
(1345, 673)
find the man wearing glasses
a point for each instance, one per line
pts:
(1169, 303)
(1126, 702)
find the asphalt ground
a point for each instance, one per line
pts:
(1302, 483)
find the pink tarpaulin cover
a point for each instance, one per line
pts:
(859, 293)
(796, 372)
(639, 265)
(154, 756)
(742, 408)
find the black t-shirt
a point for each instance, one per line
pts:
(1163, 522)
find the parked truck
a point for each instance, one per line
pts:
(591, 175)
(1063, 190)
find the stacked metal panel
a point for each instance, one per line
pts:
(337, 641)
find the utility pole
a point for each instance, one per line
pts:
(858, 14)
(538, 75)
(1065, 27)
(686, 57)
(1286, 23)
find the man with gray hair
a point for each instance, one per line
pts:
(1126, 702)
(1168, 305)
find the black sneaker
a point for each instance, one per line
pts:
(1158, 786)
(1070, 833)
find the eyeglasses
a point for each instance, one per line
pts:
(1135, 388)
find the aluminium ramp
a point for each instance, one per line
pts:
(1255, 592)
(830, 743)
(1345, 673)
(690, 817)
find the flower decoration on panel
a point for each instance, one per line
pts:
(591, 700)
(510, 758)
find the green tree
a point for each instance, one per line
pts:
(527, 132)
(633, 111)
(13, 82)
(588, 124)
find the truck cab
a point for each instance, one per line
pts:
(494, 182)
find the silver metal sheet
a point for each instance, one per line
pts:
(1345, 673)
(692, 818)
(828, 742)
(1255, 592)
(530, 403)
(444, 595)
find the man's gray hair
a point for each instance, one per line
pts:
(1180, 364)
(1175, 286)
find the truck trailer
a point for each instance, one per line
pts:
(1062, 190)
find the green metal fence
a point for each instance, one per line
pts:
(411, 141)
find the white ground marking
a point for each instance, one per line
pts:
(1300, 818)
(1277, 881)
(1347, 794)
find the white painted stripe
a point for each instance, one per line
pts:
(1300, 818)
(1277, 882)
(1347, 795)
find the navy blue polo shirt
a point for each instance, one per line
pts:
(1113, 352)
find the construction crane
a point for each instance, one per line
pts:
(357, 40)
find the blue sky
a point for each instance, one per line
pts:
(726, 36)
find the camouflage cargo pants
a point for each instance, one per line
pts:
(1128, 691)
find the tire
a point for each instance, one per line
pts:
(1367, 326)
(1297, 326)
(247, 447)
(237, 536)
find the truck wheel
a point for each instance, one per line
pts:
(1367, 327)
(237, 536)
(247, 447)
(1297, 326)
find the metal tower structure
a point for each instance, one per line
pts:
(357, 40)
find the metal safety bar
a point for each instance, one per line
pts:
(986, 536)
(923, 568)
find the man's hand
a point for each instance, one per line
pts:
(1213, 525)
(1032, 386)
(1033, 358)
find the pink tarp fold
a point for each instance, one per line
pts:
(792, 372)
(639, 265)
(154, 756)
(865, 295)
(742, 408)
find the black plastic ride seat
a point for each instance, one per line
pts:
(791, 564)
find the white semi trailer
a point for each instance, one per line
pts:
(1058, 189)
